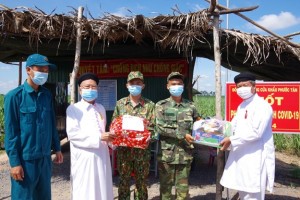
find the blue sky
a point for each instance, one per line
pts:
(281, 17)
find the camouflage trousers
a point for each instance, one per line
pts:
(174, 174)
(137, 161)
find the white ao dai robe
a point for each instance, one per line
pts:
(91, 177)
(251, 163)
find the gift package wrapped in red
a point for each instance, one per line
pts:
(130, 131)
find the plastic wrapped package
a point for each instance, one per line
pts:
(211, 132)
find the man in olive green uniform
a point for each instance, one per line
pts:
(134, 159)
(174, 121)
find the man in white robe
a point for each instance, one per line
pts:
(91, 177)
(250, 167)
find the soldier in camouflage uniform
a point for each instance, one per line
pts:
(174, 121)
(134, 159)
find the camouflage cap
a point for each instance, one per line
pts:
(135, 74)
(175, 75)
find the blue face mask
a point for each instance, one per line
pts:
(176, 90)
(39, 78)
(89, 94)
(135, 90)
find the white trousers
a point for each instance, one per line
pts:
(259, 195)
(252, 196)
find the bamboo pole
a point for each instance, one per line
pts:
(292, 34)
(217, 57)
(259, 26)
(236, 10)
(212, 6)
(190, 74)
(77, 56)
(195, 81)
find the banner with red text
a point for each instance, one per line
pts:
(122, 67)
(284, 97)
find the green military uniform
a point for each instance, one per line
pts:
(134, 159)
(173, 122)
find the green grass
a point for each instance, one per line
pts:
(1, 112)
(206, 106)
(1, 120)
(289, 143)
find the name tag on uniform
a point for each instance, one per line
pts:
(170, 114)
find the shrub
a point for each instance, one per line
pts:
(206, 106)
(1, 113)
(1, 121)
(1, 141)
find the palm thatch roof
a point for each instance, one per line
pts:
(24, 31)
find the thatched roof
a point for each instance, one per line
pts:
(24, 31)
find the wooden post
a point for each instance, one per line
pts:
(256, 24)
(217, 57)
(190, 75)
(77, 56)
(20, 73)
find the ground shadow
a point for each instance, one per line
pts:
(284, 175)
(200, 197)
(62, 171)
(280, 197)
(3, 198)
(202, 174)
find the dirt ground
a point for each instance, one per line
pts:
(202, 179)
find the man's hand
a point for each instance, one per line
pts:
(189, 138)
(148, 140)
(17, 173)
(107, 136)
(59, 158)
(225, 143)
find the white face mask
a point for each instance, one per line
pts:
(244, 92)
(39, 78)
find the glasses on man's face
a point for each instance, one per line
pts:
(89, 87)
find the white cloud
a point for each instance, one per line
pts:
(204, 76)
(9, 76)
(223, 72)
(123, 12)
(5, 67)
(276, 22)
(197, 7)
(6, 86)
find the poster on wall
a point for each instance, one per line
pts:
(107, 94)
(284, 97)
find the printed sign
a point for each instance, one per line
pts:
(107, 94)
(122, 67)
(284, 97)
